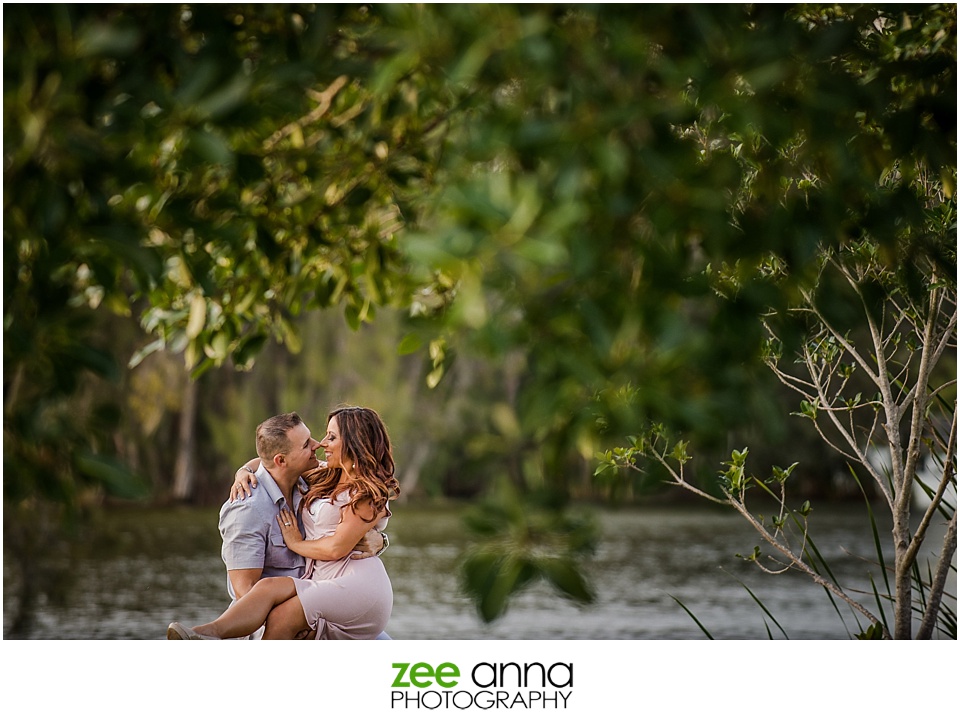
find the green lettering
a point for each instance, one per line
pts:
(418, 670)
(397, 682)
(447, 669)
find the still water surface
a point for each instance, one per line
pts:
(647, 560)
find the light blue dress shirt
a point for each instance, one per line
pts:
(251, 533)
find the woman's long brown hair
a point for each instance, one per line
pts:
(365, 442)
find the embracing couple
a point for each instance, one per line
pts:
(302, 538)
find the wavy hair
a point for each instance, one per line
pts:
(366, 443)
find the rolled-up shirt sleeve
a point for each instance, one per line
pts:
(244, 536)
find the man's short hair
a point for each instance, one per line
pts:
(272, 435)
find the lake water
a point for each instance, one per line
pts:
(165, 565)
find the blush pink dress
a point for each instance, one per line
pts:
(342, 599)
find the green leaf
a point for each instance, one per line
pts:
(565, 575)
(218, 347)
(352, 314)
(222, 101)
(248, 349)
(409, 344)
(693, 617)
(198, 316)
(874, 632)
(144, 352)
(116, 478)
(679, 452)
(290, 336)
(490, 577)
(212, 147)
(106, 39)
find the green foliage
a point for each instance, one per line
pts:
(734, 478)
(871, 293)
(601, 198)
(210, 168)
(874, 632)
(520, 541)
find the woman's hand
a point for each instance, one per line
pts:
(343, 542)
(243, 482)
(288, 528)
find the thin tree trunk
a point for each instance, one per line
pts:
(410, 476)
(184, 473)
(902, 611)
(938, 583)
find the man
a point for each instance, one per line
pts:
(252, 542)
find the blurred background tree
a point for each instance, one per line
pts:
(629, 156)
(168, 164)
(516, 209)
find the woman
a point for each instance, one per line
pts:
(338, 597)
